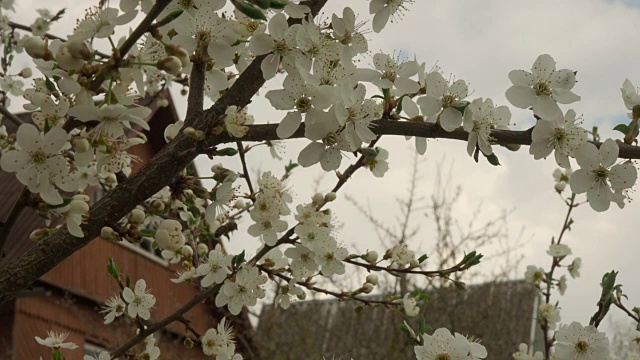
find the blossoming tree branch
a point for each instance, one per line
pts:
(85, 117)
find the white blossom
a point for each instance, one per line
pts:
(56, 340)
(603, 181)
(576, 342)
(542, 88)
(561, 134)
(139, 300)
(479, 118)
(215, 267)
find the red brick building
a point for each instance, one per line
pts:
(68, 298)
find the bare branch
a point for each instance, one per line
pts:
(9, 115)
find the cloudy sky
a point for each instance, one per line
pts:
(480, 42)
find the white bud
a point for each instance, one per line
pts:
(26, 73)
(137, 217)
(38, 234)
(371, 257)
(203, 249)
(181, 53)
(367, 288)
(79, 50)
(217, 168)
(239, 204)
(193, 133)
(36, 47)
(107, 233)
(560, 186)
(82, 145)
(414, 263)
(330, 197)
(186, 251)
(302, 296)
(318, 199)
(372, 279)
(171, 65)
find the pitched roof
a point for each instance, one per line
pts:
(500, 315)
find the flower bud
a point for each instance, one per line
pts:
(188, 343)
(371, 257)
(302, 295)
(414, 263)
(203, 249)
(157, 206)
(460, 285)
(240, 204)
(79, 50)
(330, 197)
(171, 65)
(193, 133)
(38, 234)
(318, 199)
(179, 52)
(367, 288)
(26, 73)
(107, 233)
(186, 251)
(560, 186)
(82, 145)
(136, 217)
(217, 168)
(37, 48)
(372, 279)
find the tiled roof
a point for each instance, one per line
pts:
(500, 315)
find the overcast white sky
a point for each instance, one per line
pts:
(480, 42)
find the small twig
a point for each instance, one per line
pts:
(432, 273)
(244, 166)
(49, 36)
(9, 115)
(341, 296)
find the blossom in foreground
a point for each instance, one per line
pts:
(603, 181)
(542, 88)
(443, 345)
(382, 10)
(630, 94)
(56, 340)
(114, 307)
(445, 96)
(216, 267)
(244, 290)
(561, 134)
(37, 159)
(279, 46)
(479, 118)
(139, 300)
(219, 342)
(576, 342)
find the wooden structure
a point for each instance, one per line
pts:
(67, 298)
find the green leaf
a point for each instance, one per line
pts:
(148, 233)
(227, 152)
(237, 260)
(622, 128)
(169, 18)
(50, 85)
(249, 10)
(422, 258)
(112, 268)
(358, 309)
(493, 159)
(263, 4)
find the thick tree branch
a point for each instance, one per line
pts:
(427, 130)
